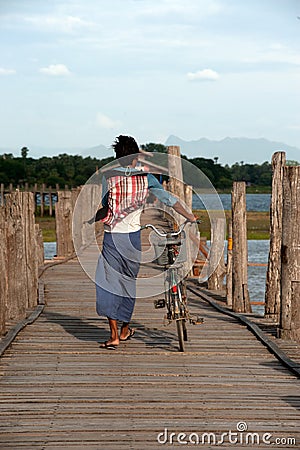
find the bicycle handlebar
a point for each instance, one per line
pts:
(172, 233)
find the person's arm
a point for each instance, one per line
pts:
(167, 198)
(181, 210)
(104, 192)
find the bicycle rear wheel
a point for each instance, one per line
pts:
(177, 307)
(183, 310)
(185, 337)
(180, 333)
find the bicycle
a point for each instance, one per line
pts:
(171, 254)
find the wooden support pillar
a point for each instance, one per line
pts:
(162, 205)
(16, 258)
(188, 197)
(87, 203)
(35, 196)
(184, 194)
(2, 195)
(42, 194)
(190, 248)
(241, 300)
(176, 185)
(175, 171)
(229, 266)
(3, 272)
(216, 257)
(273, 283)
(63, 218)
(39, 246)
(50, 202)
(290, 257)
(31, 263)
(19, 266)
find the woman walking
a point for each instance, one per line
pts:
(125, 190)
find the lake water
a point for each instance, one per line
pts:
(258, 252)
(49, 249)
(254, 202)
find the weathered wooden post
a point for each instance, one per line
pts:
(87, 203)
(290, 257)
(3, 272)
(18, 257)
(2, 195)
(229, 265)
(63, 221)
(176, 185)
(216, 257)
(29, 239)
(63, 218)
(17, 289)
(241, 300)
(162, 205)
(188, 200)
(42, 194)
(273, 282)
(184, 194)
(188, 196)
(39, 246)
(50, 202)
(35, 188)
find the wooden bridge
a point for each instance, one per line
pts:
(60, 390)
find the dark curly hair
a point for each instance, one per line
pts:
(124, 146)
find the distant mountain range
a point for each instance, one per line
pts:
(228, 150)
(231, 150)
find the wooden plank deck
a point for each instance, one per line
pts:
(58, 389)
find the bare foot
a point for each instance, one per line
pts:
(125, 335)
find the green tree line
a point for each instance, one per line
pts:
(75, 170)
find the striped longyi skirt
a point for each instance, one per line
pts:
(116, 274)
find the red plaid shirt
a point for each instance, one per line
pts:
(125, 195)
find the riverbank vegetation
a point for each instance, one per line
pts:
(75, 170)
(258, 225)
(47, 225)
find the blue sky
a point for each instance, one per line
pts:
(76, 73)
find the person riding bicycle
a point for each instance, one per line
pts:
(124, 193)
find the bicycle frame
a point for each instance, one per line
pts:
(175, 299)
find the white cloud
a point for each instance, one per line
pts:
(203, 75)
(106, 122)
(55, 70)
(187, 10)
(275, 53)
(7, 71)
(63, 24)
